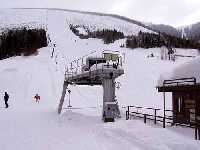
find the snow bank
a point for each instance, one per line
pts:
(187, 70)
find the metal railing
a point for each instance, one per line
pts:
(180, 81)
(77, 66)
(171, 118)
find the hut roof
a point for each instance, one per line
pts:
(184, 72)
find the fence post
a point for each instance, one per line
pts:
(195, 131)
(145, 118)
(128, 113)
(155, 116)
(164, 122)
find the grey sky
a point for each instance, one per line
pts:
(173, 12)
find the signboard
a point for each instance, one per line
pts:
(111, 56)
(189, 104)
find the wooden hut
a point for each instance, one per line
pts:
(185, 99)
(184, 84)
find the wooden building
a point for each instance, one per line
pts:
(184, 84)
(185, 99)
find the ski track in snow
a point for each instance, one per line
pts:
(27, 125)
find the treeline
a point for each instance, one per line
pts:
(143, 39)
(73, 28)
(108, 36)
(20, 41)
(150, 40)
(182, 42)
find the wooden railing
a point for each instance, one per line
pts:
(170, 119)
(148, 116)
(180, 81)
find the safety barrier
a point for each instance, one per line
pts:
(141, 112)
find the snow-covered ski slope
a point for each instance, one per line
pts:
(27, 125)
(11, 18)
(15, 17)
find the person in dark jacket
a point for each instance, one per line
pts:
(37, 98)
(6, 97)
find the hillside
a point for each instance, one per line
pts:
(166, 29)
(188, 31)
(27, 125)
(191, 31)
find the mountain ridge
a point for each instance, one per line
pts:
(191, 31)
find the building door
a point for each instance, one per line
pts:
(180, 113)
(190, 106)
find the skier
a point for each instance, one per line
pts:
(6, 97)
(37, 98)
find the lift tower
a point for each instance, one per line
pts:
(99, 71)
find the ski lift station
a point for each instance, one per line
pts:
(97, 70)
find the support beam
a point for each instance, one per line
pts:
(164, 97)
(65, 85)
(110, 106)
(196, 120)
(108, 90)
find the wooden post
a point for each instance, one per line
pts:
(164, 110)
(164, 122)
(195, 132)
(128, 112)
(155, 116)
(173, 109)
(126, 115)
(145, 118)
(196, 126)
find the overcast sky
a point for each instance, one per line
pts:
(172, 12)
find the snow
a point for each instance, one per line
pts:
(29, 125)
(13, 18)
(188, 69)
(103, 22)
(104, 66)
(82, 31)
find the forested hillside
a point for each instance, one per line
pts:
(14, 42)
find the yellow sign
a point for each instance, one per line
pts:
(111, 56)
(189, 104)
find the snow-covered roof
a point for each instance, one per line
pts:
(187, 70)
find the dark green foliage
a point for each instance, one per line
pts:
(143, 39)
(150, 40)
(24, 41)
(182, 42)
(108, 36)
(131, 42)
(73, 29)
